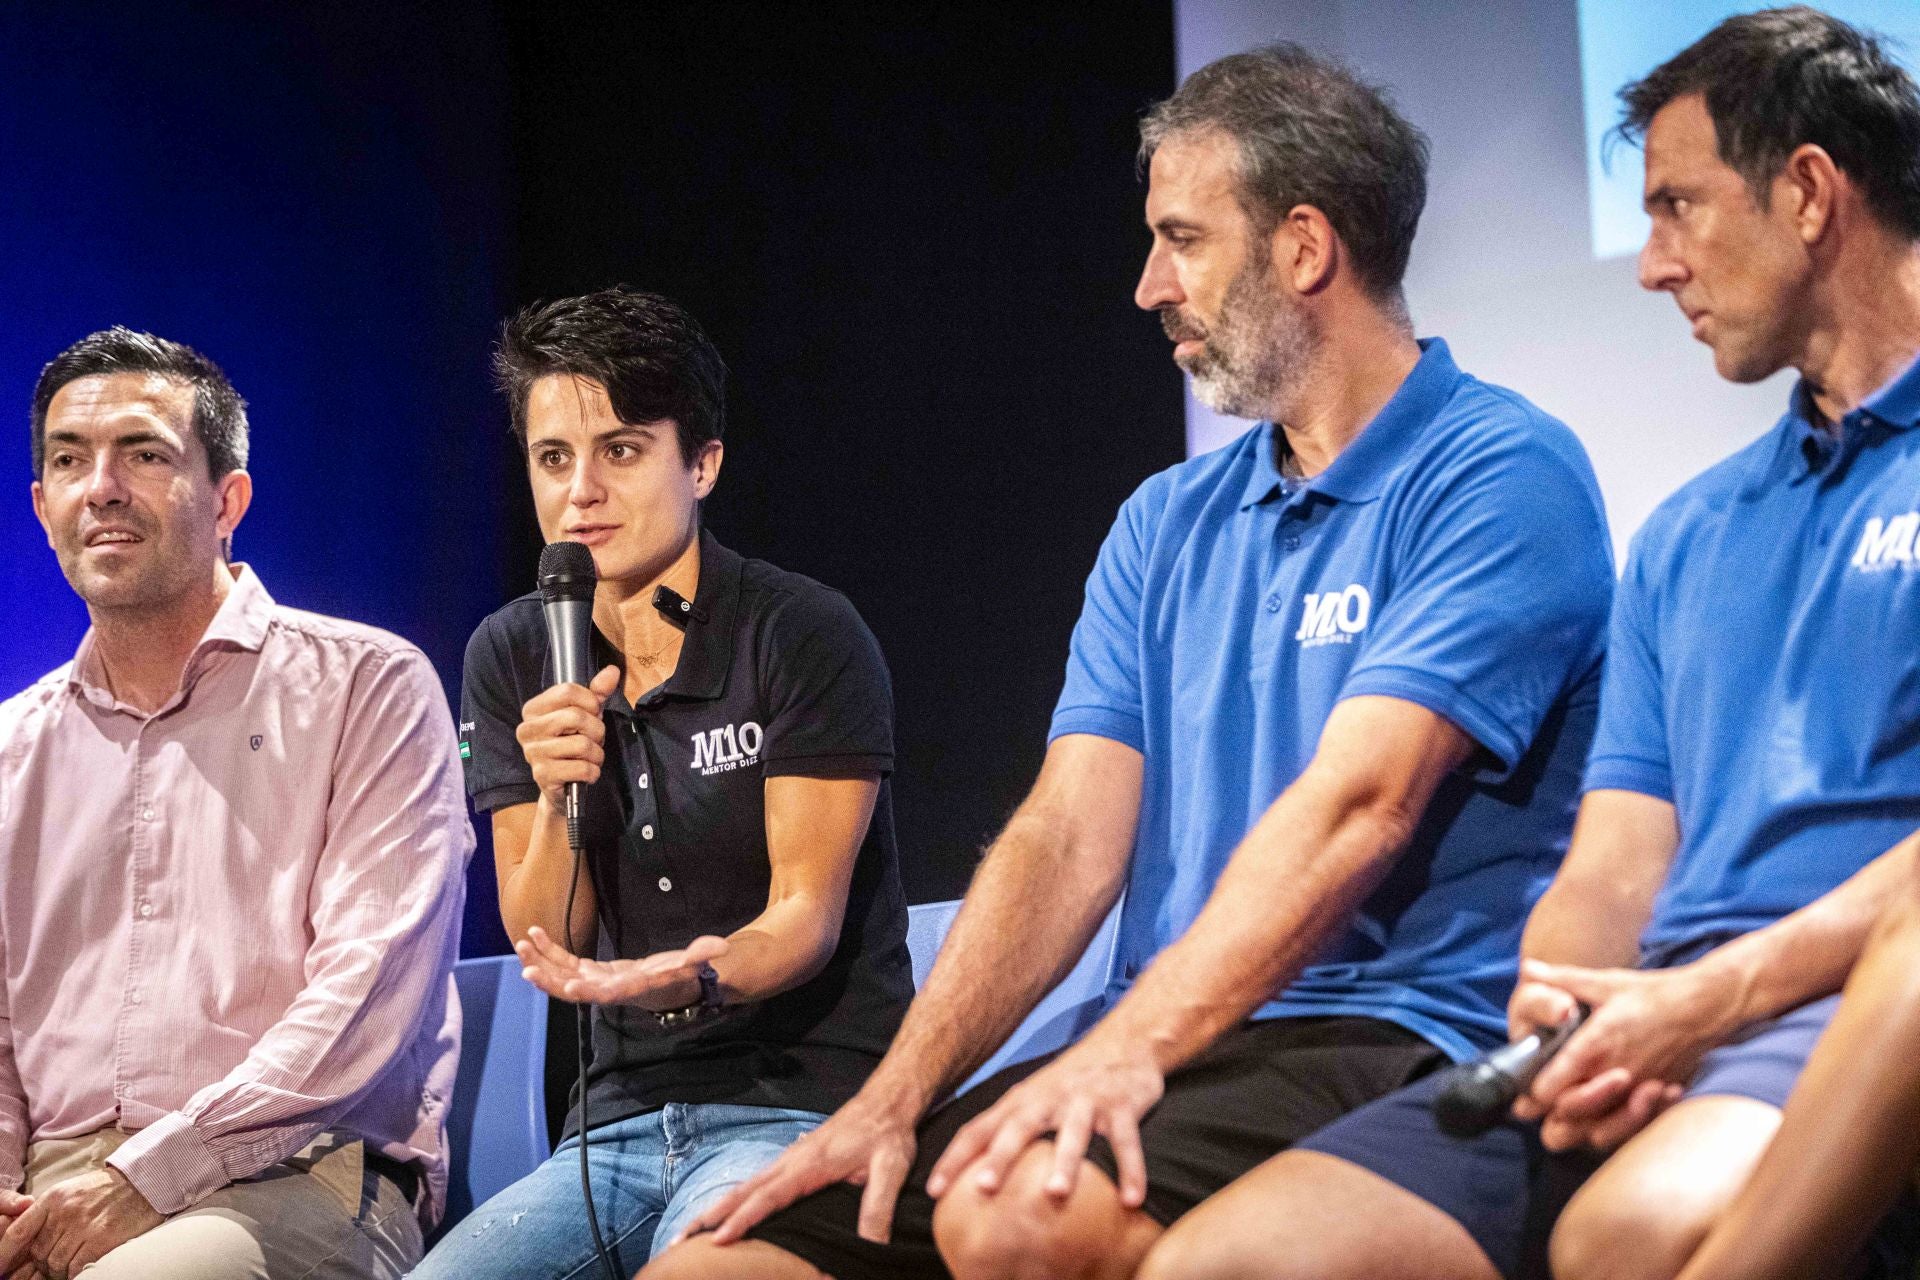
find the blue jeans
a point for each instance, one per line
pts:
(652, 1175)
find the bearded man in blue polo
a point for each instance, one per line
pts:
(1323, 724)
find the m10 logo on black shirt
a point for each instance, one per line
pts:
(728, 747)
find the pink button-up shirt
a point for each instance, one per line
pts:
(229, 925)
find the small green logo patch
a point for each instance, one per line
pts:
(466, 752)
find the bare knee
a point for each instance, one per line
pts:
(1307, 1216)
(1650, 1206)
(1021, 1232)
(1186, 1255)
(1619, 1237)
(700, 1259)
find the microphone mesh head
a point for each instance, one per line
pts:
(566, 571)
(1473, 1100)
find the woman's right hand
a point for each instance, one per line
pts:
(562, 735)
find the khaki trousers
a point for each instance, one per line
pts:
(321, 1215)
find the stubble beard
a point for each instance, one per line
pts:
(1256, 354)
(168, 573)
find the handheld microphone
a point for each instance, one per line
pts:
(1475, 1095)
(567, 580)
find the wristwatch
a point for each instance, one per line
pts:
(705, 1007)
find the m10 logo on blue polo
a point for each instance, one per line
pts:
(726, 748)
(1886, 543)
(1334, 617)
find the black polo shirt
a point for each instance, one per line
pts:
(777, 676)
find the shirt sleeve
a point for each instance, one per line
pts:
(498, 775)
(1498, 601)
(1102, 694)
(1630, 745)
(384, 911)
(828, 696)
(13, 1095)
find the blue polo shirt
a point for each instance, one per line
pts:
(1761, 678)
(1454, 555)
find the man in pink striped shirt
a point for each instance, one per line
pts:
(233, 842)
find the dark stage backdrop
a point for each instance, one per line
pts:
(914, 235)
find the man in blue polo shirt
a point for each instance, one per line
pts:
(1756, 768)
(1323, 722)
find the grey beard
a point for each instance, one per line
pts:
(1255, 382)
(1258, 352)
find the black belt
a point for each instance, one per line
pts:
(401, 1174)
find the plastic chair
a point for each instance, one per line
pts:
(1059, 1019)
(497, 1125)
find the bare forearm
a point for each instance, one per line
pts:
(1296, 878)
(782, 947)
(1808, 954)
(1586, 923)
(1030, 912)
(534, 890)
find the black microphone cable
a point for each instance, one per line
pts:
(583, 1026)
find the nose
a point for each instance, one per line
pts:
(1159, 284)
(584, 486)
(106, 486)
(1659, 268)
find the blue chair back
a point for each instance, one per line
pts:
(1059, 1019)
(497, 1126)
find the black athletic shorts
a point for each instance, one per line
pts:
(1262, 1088)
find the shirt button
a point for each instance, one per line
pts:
(146, 908)
(646, 832)
(1273, 604)
(643, 782)
(1293, 543)
(146, 814)
(134, 998)
(686, 606)
(666, 885)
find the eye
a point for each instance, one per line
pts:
(621, 450)
(551, 458)
(61, 459)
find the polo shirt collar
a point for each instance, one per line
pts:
(241, 622)
(1802, 448)
(1365, 465)
(1898, 403)
(706, 655)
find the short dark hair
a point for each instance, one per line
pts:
(219, 414)
(647, 351)
(1310, 131)
(1781, 78)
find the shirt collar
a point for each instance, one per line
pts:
(1363, 467)
(240, 623)
(1802, 448)
(706, 654)
(1898, 403)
